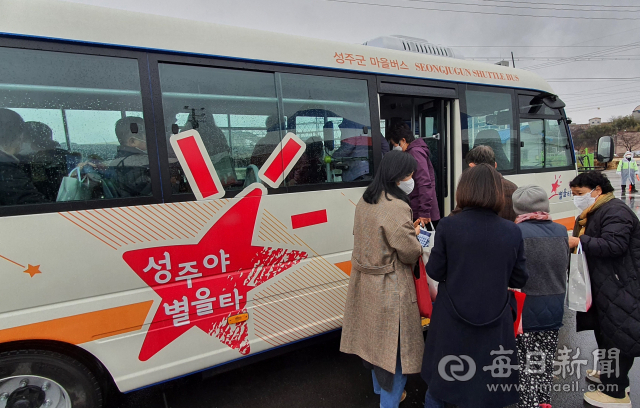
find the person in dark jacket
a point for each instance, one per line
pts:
(129, 171)
(485, 154)
(355, 149)
(266, 146)
(477, 256)
(609, 232)
(15, 185)
(43, 159)
(424, 202)
(546, 247)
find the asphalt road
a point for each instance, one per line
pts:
(317, 375)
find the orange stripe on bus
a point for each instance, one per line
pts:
(566, 222)
(345, 267)
(84, 327)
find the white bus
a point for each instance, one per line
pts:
(114, 274)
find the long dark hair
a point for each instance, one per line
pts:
(481, 187)
(394, 167)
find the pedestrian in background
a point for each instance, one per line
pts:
(477, 256)
(627, 170)
(609, 232)
(381, 320)
(424, 202)
(546, 247)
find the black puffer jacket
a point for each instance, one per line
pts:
(611, 243)
(15, 186)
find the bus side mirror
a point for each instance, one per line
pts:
(605, 149)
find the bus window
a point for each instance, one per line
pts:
(332, 116)
(544, 144)
(72, 110)
(490, 123)
(235, 112)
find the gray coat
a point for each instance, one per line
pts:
(546, 247)
(381, 308)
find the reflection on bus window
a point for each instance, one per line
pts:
(332, 116)
(235, 112)
(545, 144)
(69, 106)
(237, 115)
(490, 123)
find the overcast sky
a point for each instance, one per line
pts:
(471, 27)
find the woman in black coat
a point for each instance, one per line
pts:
(609, 232)
(470, 355)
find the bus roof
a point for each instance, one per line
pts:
(63, 20)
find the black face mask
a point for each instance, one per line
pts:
(628, 158)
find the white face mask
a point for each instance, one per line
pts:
(407, 186)
(397, 148)
(584, 202)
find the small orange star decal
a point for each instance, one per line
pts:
(33, 270)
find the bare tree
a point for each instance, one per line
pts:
(629, 140)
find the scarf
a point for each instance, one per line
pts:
(538, 215)
(581, 221)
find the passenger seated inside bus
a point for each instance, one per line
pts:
(15, 185)
(266, 145)
(128, 175)
(311, 168)
(217, 147)
(353, 151)
(43, 159)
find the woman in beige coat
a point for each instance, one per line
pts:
(381, 320)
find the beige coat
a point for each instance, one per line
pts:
(381, 302)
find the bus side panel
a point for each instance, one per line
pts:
(89, 294)
(556, 184)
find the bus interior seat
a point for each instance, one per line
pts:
(491, 138)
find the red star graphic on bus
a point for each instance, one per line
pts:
(203, 284)
(555, 186)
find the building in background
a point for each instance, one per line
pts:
(636, 113)
(595, 121)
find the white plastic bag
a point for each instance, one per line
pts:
(426, 252)
(579, 287)
(74, 188)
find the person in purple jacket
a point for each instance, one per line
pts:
(423, 198)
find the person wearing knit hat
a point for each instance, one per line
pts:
(530, 199)
(547, 251)
(628, 169)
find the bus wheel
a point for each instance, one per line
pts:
(39, 378)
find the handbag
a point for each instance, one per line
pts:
(74, 188)
(422, 291)
(520, 298)
(579, 296)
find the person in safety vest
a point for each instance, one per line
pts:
(628, 168)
